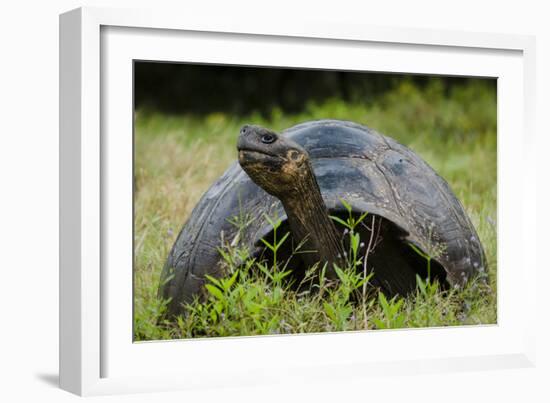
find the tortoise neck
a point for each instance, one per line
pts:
(310, 224)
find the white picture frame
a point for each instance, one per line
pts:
(97, 355)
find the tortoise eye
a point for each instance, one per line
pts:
(268, 138)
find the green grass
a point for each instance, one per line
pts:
(178, 157)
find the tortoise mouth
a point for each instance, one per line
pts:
(252, 150)
(248, 156)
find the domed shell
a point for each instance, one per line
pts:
(372, 172)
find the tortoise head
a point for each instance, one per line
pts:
(274, 162)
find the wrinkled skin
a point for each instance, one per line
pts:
(282, 168)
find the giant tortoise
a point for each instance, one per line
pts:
(303, 175)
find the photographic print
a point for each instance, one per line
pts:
(275, 200)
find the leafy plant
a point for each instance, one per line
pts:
(392, 317)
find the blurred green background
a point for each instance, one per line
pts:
(204, 89)
(187, 119)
